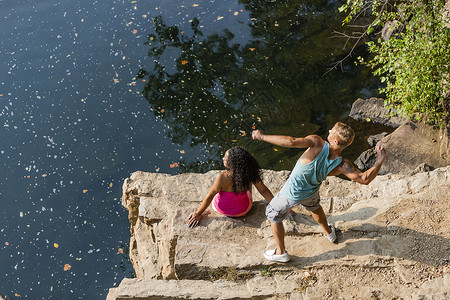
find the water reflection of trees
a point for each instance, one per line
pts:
(212, 90)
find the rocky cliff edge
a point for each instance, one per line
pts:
(393, 242)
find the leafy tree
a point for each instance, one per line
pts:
(413, 64)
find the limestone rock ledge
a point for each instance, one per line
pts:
(393, 242)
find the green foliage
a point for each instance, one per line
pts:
(266, 271)
(413, 64)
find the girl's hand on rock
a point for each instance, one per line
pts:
(194, 219)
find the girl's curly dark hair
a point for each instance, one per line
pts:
(245, 169)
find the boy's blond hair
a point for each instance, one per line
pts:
(344, 133)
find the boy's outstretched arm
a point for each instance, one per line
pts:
(286, 141)
(349, 170)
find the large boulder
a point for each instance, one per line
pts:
(410, 146)
(373, 110)
(393, 239)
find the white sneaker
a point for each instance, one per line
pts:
(332, 236)
(270, 255)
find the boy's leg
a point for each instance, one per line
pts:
(276, 211)
(278, 234)
(319, 216)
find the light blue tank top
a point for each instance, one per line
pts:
(305, 180)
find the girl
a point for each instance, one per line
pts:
(230, 193)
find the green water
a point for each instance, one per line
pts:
(270, 73)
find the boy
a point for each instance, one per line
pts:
(321, 159)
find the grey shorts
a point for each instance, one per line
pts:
(278, 208)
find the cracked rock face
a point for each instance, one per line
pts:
(393, 241)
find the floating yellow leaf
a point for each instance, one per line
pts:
(116, 80)
(219, 18)
(234, 141)
(182, 151)
(134, 31)
(84, 191)
(275, 149)
(67, 267)
(55, 245)
(173, 165)
(17, 295)
(251, 49)
(21, 214)
(111, 184)
(162, 110)
(194, 5)
(184, 62)
(236, 13)
(225, 122)
(120, 251)
(368, 120)
(44, 175)
(144, 16)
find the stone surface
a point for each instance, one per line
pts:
(413, 147)
(413, 144)
(393, 241)
(374, 110)
(374, 139)
(367, 159)
(390, 28)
